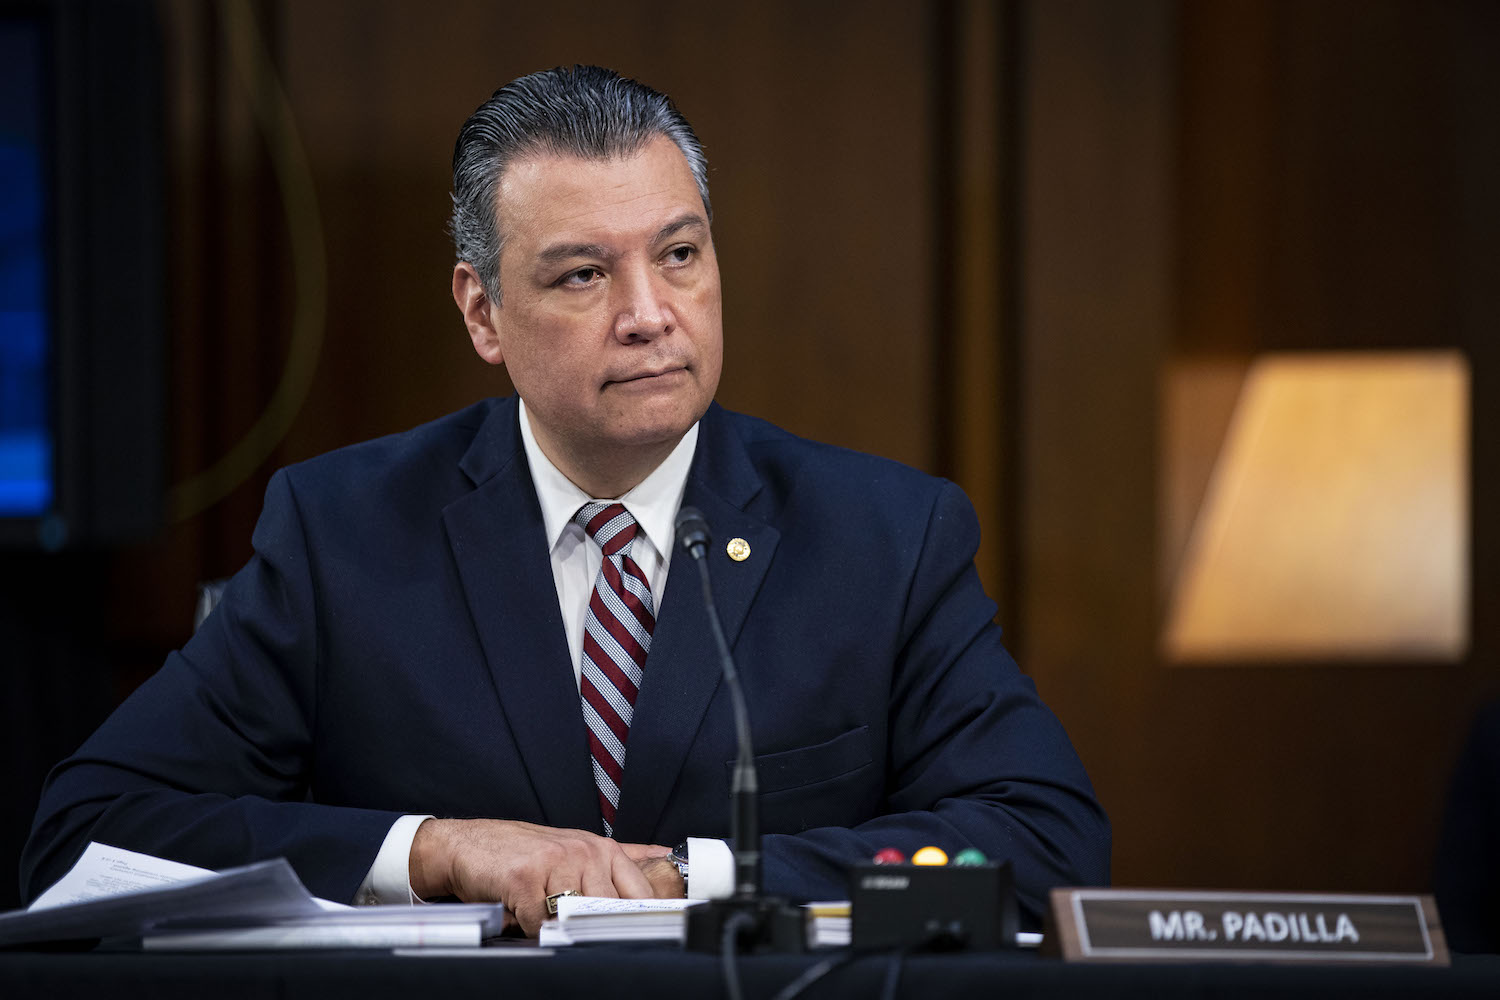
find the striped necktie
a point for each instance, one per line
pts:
(616, 638)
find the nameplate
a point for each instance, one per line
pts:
(1125, 925)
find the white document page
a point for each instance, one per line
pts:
(116, 893)
(576, 906)
(113, 871)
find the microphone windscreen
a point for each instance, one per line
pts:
(692, 530)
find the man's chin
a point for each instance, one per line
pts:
(658, 422)
(664, 435)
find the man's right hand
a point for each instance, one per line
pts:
(520, 864)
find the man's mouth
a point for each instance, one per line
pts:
(646, 376)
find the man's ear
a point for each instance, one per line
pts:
(469, 295)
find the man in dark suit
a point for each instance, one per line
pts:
(457, 665)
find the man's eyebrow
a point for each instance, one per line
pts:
(689, 220)
(560, 252)
(569, 251)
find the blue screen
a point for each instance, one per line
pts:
(26, 323)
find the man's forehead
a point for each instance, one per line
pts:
(548, 192)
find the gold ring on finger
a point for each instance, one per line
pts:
(554, 897)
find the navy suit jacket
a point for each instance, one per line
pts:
(395, 646)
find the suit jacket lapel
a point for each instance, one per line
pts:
(682, 670)
(498, 542)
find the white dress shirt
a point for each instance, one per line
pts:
(575, 565)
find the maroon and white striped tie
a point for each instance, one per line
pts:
(616, 638)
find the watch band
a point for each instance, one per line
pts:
(679, 858)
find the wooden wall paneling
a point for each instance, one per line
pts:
(974, 279)
(1227, 89)
(1352, 136)
(1096, 316)
(228, 301)
(1359, 251)
(1472, 36)
(1474, 88)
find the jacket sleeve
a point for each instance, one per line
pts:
(211, 762)
(974, 758)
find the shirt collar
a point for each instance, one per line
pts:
(653, 502)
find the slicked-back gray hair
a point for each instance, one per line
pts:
(584, 111)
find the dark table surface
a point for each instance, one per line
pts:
(601, 972)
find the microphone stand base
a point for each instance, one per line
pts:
(771, 926)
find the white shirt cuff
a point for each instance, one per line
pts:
(710, 869)
(389, 878)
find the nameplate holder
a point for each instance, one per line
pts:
(1147, 925)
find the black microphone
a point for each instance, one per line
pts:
(692, 532)
(693, 537)
(748, 920)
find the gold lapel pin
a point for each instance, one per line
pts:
(738, 549)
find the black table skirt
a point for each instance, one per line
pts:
(618, 973)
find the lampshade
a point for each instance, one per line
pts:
(1335, 522)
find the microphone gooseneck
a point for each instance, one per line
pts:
(694, 538)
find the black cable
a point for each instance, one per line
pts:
(732, 927)
(812, 974)
(892, 975)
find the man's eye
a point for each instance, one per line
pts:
(582, 276)
(681, 255)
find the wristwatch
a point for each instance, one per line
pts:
(679, 859)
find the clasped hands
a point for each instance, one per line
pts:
(520, 864)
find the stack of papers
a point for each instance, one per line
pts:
(830, 927)
(594, 920)
(444, 926)
(112, 893)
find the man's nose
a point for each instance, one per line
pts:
(643, 309)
